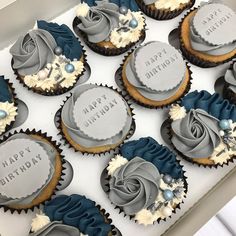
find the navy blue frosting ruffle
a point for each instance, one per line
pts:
(64, 38)
(78, 211)
(5, 93)
(148, 149)
(213, 104)
(130, 4)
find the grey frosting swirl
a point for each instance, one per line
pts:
(196, 135)
(33, 51)
(100, 21)
(76, 134)
(134, 186)
(51, 152)
(200, 45)
(58, 229)
(230, 77)
(143, 90)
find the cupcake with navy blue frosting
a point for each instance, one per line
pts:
(48, 59)
(73, 215)
(164, 9)
(109, 27)
(8, 105)
(203, 128)
(145, 181)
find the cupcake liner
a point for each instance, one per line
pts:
(229, 94)
(58, 124)
(106, 51)
(57, 91)
(118, 78)
(188, 159)
(195, 59)
(104, 180)
(162, 14)
(59, 150)
(14, 96)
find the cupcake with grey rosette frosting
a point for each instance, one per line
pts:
(203, 128)
(95, 119)
(145, 181)
(49, 59)
(109, 27)
(229, 90)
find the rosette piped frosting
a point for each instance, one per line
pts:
(33, 51)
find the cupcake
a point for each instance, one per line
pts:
(229, 90)
(207, 38)
(28, 155)
(145, 181)
(48, 60)
(73, 215)
(109, 28)
(95, 119)
(164, 9)
(8, 106)
(203, 129)
(155, 75)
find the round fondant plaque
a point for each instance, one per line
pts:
(215, 23)
(24, 168)
(100, 113)
(159, 66)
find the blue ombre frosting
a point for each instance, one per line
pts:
(64, 38)
(150, 150)
(213, 104)
(78, 211)
(5, 93)
(130, 4)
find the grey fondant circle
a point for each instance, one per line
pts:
(100, 113)
(24, 168)
(159, 66)
(215, 23)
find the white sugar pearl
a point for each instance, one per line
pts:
(42, 74)
(49, 65)
(222, 133)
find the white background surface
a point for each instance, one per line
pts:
(87, 169)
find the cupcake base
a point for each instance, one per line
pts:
(163, 14)
(49, 190)
(105, 48)
(229, 94)
(140, 99)
(195, 57)
(91, 150)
